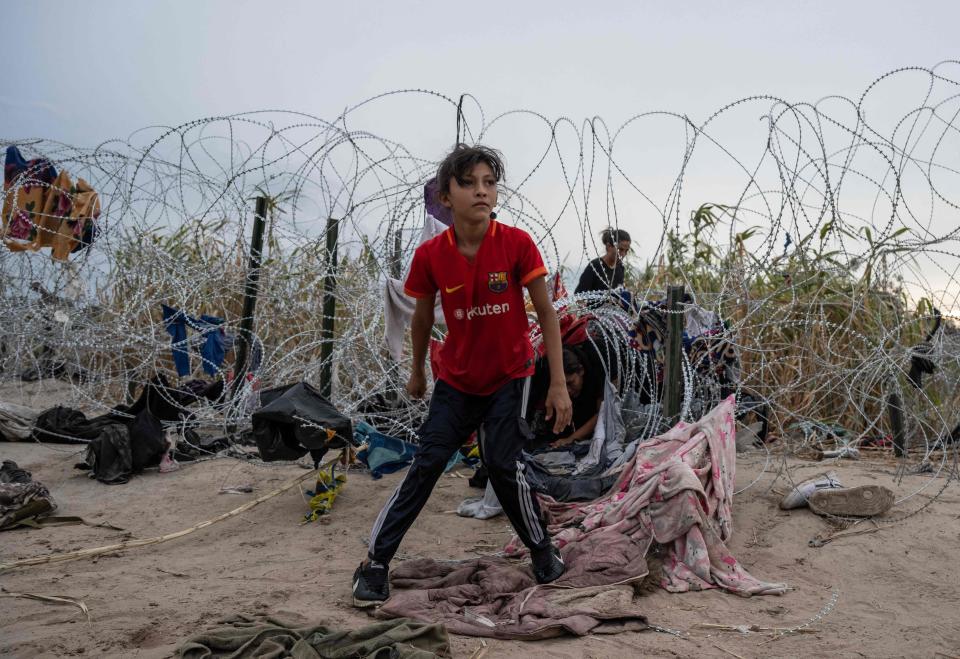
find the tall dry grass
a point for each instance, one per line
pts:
(822, 335)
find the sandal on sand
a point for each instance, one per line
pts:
(863, 501)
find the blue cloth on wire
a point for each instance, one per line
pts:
(15, 164)
(385, 454)
(213, 349)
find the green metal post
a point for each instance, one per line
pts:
(250, 290)
(673, 361)
(327, 323)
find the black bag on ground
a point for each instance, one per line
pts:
(123, 446)
(294, 419)
(110, 456)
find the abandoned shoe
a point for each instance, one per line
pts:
(798, 496)
(862, 501)
(168, 464)
(371, 585)
(547, 564)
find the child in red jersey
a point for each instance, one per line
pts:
(480, 268)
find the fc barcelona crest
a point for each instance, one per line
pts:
(497, 281)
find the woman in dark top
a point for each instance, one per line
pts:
(606, 273)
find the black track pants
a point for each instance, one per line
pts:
(453, 416)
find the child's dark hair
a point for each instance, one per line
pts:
(460, 162)
(611, 236)
(571, 361)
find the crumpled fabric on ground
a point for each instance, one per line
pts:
(191, 445)
(16, 421)
(556, 462)
(21, 497)
(65, 425)
(496, 598)
(328, 487)
(541, 480)
(677, 491)
(109, 457)
(483, 507)
(127, 440)
(568, 488)
(385, 454)
(243, 636)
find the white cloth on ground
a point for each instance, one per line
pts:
(16, 421)
(483, 507)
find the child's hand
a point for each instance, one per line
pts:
(559, 407)
(417, 384)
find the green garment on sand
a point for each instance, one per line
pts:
(244, 636)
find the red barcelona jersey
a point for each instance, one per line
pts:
(488, 340)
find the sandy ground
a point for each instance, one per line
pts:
(894, 592)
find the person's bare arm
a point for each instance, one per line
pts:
(420, 326)
(559, 407)
(583, 432)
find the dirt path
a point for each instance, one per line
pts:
(891, 593)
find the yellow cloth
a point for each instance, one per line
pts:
(328, 487)
(58, 213)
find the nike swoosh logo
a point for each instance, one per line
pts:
(454, 289)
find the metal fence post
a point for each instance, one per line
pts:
(895, 410)
(250, 290)
(327, 323)
(673, 360)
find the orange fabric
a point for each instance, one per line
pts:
(59, 213)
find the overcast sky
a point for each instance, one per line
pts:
(83, 72)
(91, 70)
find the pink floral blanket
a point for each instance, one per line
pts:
(677, 491)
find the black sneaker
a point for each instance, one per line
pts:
(371, 586)
(547, 564)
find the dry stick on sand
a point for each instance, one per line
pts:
(748, 629)
(481, 651)
(130, 544)
(54, 599)
(732, 654)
